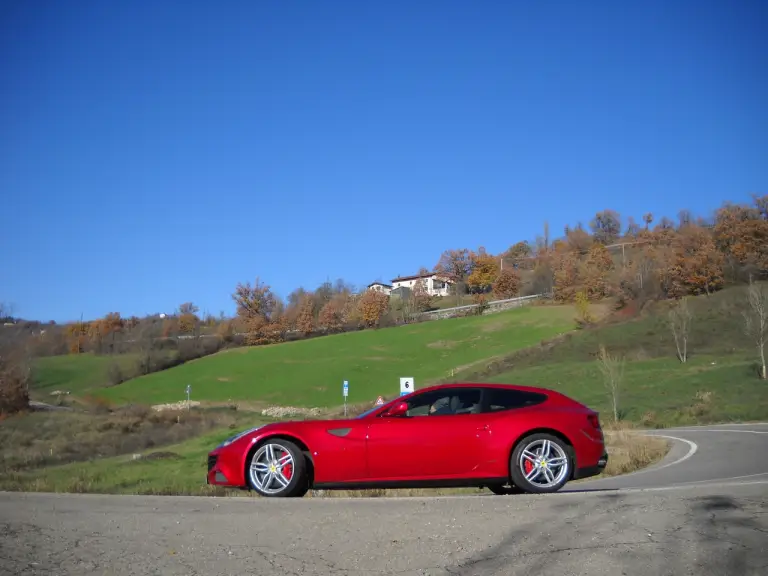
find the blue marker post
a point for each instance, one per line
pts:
(345, 391)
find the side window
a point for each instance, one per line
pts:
(500, 399)
(452, 401)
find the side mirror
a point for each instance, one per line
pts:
(399, 409)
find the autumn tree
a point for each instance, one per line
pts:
(372, 306)
(188, 321)
(606, 227)
(507, 284)
(578, 240)
(697, 265)
(15, 376)
(595, 272)
(77, 336)
(335, 313)
(648, 219)
(566, 276)
(257, 308)
(456, 265)
(485, 270)
(519, 255)
(305, 321)
(420, 298)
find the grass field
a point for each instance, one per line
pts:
(75, 373)
(310, 372)
(718, 382)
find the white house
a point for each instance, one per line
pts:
(436, 284)
(380, 287)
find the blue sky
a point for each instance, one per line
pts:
(157, 152)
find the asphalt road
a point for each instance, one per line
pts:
(653, 522)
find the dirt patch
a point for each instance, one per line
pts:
(223, 379)
(379, 348)
(289, 361)
(320, 388)
(443, 344)
(376, 358)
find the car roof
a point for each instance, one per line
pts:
(486, 385)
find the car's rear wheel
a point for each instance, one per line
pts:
(541, 463)
(277, 468)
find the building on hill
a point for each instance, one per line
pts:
(436, 284)
(380, 287)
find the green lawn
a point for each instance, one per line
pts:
(311, 372)
(76, 373)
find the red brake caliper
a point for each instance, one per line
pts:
(528, 466)
(288, 469)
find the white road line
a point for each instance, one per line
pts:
(720, 479)
(717, 431)
(714, 484)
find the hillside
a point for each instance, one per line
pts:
(719, 382)
(310, 372)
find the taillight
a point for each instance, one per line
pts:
(594, 420)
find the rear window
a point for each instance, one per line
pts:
(500, 399)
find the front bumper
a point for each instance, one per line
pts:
(219, 472)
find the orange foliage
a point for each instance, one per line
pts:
(372, 306)
(422, 299)
(566, 268)
(697, 265)
(596, 268)
(507, 284)
(305, 321)
(485, 270)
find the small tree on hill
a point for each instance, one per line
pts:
(756, 320)
(612, 369)
(680, 323)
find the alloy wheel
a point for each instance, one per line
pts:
(543, 463)
(272, 468)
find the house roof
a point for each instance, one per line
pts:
(417, 276)
(379, 284)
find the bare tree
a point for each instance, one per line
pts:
(756, 319)
(612, 369)
(680, 323)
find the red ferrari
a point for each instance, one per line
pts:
(507, 438)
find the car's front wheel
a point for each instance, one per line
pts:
(541, 463)
(277, 468)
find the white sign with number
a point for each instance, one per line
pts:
(406, 386)
(346, 388)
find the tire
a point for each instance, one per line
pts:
(549, 478)
(504, 490)
(287, 479)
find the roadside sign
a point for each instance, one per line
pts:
(346, 388)
(406, 386)
(379, 401)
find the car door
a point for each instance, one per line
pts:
(442, 436)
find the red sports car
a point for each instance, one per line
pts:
(507, 438)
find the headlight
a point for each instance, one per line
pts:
(229, 441)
